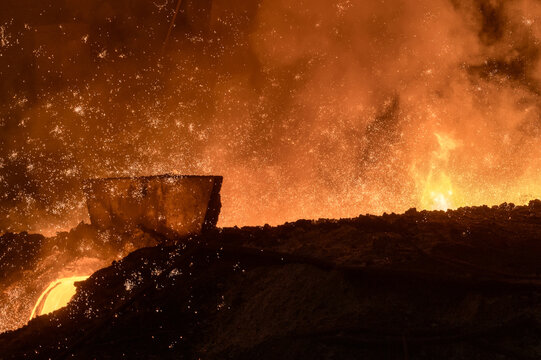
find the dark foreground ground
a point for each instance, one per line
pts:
(424, 285)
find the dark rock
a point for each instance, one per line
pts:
(457, 285)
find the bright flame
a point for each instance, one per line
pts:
(56, 295)
(438, 192)
(441, 202)
(437, 188)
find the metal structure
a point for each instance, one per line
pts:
(167, 205)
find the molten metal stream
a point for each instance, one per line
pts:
(56, 295)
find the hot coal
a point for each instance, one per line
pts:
(422, 285)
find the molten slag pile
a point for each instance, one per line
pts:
(37, 274)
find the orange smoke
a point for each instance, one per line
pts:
(307, 108)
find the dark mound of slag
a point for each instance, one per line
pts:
(462, 284)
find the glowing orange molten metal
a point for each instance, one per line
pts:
(56, 295)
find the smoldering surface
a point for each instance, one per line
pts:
(308, 108)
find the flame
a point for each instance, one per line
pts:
(441, 202)
(56, 295)
(438, 194)
(437, 189)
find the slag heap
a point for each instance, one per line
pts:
(126, 214)
(166, 205)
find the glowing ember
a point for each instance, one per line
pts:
(56, 295)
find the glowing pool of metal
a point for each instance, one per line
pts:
(56, 295)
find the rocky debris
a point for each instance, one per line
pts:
(422, 285)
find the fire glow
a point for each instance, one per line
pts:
(337, 109)
(56, 295)
(437, 188)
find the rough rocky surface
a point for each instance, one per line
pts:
(462, 284)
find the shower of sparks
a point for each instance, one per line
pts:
(308, 109)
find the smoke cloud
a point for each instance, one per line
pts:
(307, 108)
